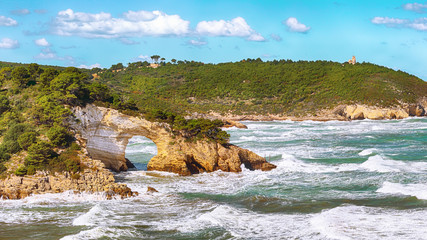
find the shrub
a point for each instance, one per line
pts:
(59, 136)
(27, 139)
(39, 154)
(4, 104)
(2, 168)
(21, 171)
(31, 170)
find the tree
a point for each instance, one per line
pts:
(155, 58)
(20, 76)
(39, 154)
(59, 136)
(173, 60)
(47, 76)
(27, 139)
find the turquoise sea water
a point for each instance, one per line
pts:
(334, 180)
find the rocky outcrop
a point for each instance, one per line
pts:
(358, 112)
(95, 178)
(105, 134)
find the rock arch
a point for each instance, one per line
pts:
(105, 134)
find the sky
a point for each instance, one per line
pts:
(94, 33)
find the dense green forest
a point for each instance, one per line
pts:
(256, 87)
(35, 104)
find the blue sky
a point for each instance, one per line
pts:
(101, 33)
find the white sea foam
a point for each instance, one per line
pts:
(246, 224)
(417, 190)
(359, 222)
(95, 215)
(377, 163)
(368, 151)
(102, 232)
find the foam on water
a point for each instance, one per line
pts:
(246, 224)
(378, 163)
(368, 152)
(359, 222)
(102, 232)
(417, 190)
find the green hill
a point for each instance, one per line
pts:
(256, 87)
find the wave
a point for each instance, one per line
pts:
(102, 232)
(417, 190)
(359, 222)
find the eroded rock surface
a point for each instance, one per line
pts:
(106, 133)
(95, 178)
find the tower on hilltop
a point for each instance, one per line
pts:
(352, 60)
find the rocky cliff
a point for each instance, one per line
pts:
(94, 178)
(105, 133)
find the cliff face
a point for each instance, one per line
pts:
(106, 133)
(95, 178)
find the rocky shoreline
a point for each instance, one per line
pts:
(339, 113)
(94, 178)
(104, 133)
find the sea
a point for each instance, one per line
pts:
(334, 180)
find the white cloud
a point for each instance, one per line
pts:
(96, 65)
(42, 42)
(142, 58)
(8, 22)
(47, 53)
(103, 25)
(236, 27)
(9, 43)
(416, 7)
(295, 26)
(419, 24)
(197, 42)
(20, 12)
(276, 37)
(389, 21)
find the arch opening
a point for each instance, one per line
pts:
(139, 151)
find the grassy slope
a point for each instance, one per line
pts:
(265, 87)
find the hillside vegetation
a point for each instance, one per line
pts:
(35, 131)
(256, 87)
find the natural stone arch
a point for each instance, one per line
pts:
(106, 132)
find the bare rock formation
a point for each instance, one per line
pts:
(95, 178)
(106, 133)
(358, 112)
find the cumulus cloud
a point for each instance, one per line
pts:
(96, 65)
(142, 58)
(8, 22)
(20, 12)
(9, 43)
(103, 25)
(42, 42)
(197, 42)
(415, 7)
(419, 24)
(236, 27)
(295, 26)
(276, 37)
